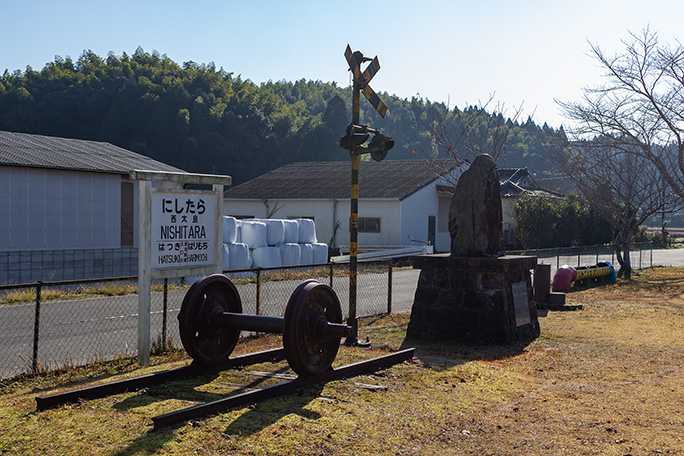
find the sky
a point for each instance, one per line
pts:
(525, 53)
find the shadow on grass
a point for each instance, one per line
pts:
(448, 354)
(253, 420)
(182, 389)
(266, 413)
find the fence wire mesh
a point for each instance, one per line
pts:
(79, 322)
(47, 326)
(641, 256)
(16, 335)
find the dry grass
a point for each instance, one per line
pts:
(607, 380)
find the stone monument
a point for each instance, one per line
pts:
(475, 294)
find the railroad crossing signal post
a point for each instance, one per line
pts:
(354, 140)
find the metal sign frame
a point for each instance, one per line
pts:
(146, 273)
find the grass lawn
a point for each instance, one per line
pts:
(607, 380)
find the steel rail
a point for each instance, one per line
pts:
(280, 389)
(155, 378)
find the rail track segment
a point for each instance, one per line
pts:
(210, 322)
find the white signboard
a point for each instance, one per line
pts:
(183, 229)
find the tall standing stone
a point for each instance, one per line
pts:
(475, 221)
(475, 294)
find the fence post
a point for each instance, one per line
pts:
(36, 329)
(579, 257)
(166, 301)
(641, 247)
(389, 285)
(258, 291)
(651, 255)
(332, 271)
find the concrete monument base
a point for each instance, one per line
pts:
(474, 299)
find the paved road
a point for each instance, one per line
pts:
(673, 257)
(76, 332)
(79, 331)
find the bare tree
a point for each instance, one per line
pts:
(625, 188)
(640, 108)
(465, 134)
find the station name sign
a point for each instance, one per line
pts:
(183, 229)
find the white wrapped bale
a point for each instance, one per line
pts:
(320, 253)
(307, 253)
(275, 231)
(290, 254)
(253, 233)
(230, 227)
(266, 257)
(239, 256)
(291, 231)
(307, 231)
(238, 233)
(226, 258)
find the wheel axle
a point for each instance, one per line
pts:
(211, 319)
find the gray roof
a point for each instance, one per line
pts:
(389, 179)
(516, 181)
(36, 151)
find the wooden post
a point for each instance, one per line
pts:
(144, 271)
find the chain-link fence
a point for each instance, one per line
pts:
(48, 325)
(641, 256)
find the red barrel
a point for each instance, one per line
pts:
(562, 280)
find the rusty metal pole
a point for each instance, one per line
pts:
(354, 218)
(390, 266)
(258, 291)
(36, 329)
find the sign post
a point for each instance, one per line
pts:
(179, 234)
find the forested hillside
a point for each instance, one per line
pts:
(203, 119)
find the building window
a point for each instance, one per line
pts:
(127, 209)
(369, 224)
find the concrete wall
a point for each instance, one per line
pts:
(415, 211)
(327, 214)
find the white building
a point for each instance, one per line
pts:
(401, 202)
(67, 208)
(514, 183)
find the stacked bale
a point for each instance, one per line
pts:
(235, 252)
(271, 243)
